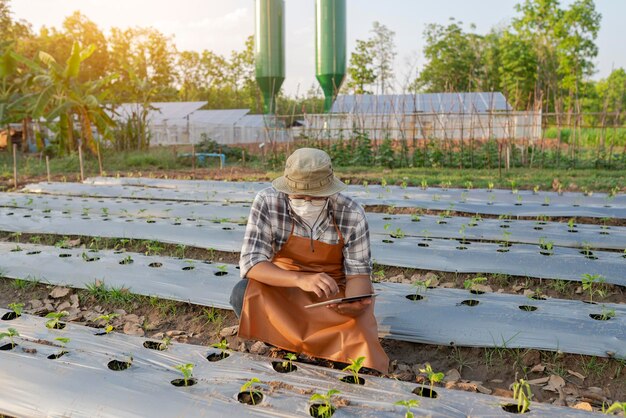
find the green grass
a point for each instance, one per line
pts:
(117, 295)
(143, 162)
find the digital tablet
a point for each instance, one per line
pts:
(341, 300)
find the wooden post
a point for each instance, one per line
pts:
(48, 168)
(193, 160)
(80, 160)
(14, 166)
(99, 158)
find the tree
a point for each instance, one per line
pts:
(453, 59)
(360, 71)
(383, 55)
(518, 70)
(78, 28)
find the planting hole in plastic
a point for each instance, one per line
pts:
(57, 355)
(7, 347)
(600, 317)
(221, 273)
(154, 345)
(90, 259)
(10, 316)
(422, 244)
(59, 325)
(33, 252)
(538, 297)
(117, 365)
(314, 411)
(351, 380)
(280, 366)
(476, 292)
(414, 297)
(470, 302)
(155, 265)
(461, 247)
(528, 308)
(181, 382)
(65, 255)
(127, 261)
(388, 241)
(217, 356)
(425, 392)
(250, 397)
(513, 408)
(187, 268)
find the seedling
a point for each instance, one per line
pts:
(379, 274)
(546, 201)
(187, 371)
(288, 363)
(63, 341)
(441, 219)
(519, 200)
(546, 246)
(436, 198)
(419, 285)
(127, 260)
(365, 185)
(252, 390)
(469, 185)
(398, 233)
(536, 189)
(353, 368)
(404, 183)
(17, 308)
(324, 409)
(571, 224)
(513, 188)
(492, 198)
(11, 332)
(474, 221)
(506, 235)
(462, 231)
(222, 269)
(445, 185)
(411, 403)
(607, 314)
(424, 184)
(463, 197)
(615, 407)
(490, 186)
(470, 284)
(54, 321)
(107, 318)
(522, 394)
(432, 377)
(589, 282)
(223, 347)
(415, 218)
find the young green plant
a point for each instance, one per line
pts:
(17, 308)
(522, 394)
(411, 403)
(354, 367)
(10, 334)
(54, 319)
(432, 376)
(107, 318)
(591, 283)
(325, 405)
(187, 371)
(249, 386)
(288, 362)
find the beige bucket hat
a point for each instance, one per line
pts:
(308, 171)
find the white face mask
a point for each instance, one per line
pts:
(309, 210)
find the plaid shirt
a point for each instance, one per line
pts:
(271, 219)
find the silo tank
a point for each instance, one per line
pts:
(330, 47)
(269, 49)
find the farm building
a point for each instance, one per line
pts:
(425, 116)
(176, 123)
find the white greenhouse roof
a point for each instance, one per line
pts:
(421, 103)
(218, 117)
(173, 113)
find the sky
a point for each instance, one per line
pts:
(223, 25)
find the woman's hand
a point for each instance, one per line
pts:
(355, 286)
(352, 309)
(319, 283)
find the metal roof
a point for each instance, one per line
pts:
(259, 121)
(218, 117)
(172, 112)
(421, 103)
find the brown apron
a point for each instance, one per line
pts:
(276, 315)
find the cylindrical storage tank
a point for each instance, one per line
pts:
(330, 47)
(269, 49)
